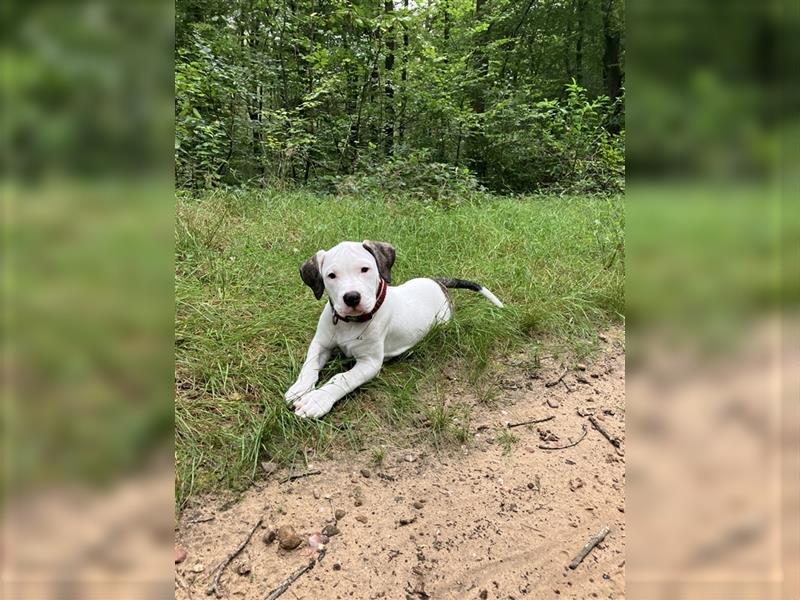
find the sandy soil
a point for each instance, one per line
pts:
(474, 522)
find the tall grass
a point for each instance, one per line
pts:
(244, 318)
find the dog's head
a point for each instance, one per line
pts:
(350, 273)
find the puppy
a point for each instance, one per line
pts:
(365, 317)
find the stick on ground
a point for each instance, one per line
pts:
(598, 537)
(300, 475)
(534, 421)
(213, 587)
(614, 441)
(278, 591)
(550, 384)
(575, 443)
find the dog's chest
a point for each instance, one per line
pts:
(353, 339)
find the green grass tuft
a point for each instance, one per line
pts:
(244, 318)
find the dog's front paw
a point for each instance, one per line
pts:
(316, 403)
(297, 391)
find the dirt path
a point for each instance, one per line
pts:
(478, 522)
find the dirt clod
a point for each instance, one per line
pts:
(269, 467)
(180, 554)
(330, 530)
(269, 537)
(418, 504)
(288, 538)
(361, 518)
(244, 567)
(366, 473)
(198, 568)
(576, 484)
(337, 567)
(406, 520)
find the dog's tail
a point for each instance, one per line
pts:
(463, 284)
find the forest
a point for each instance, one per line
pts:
(424, 98)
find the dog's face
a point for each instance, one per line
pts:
(350, 274)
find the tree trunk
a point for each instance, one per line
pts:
(404, 82)
(612, 71)
(388, 89)
(581, 9)
(477, 142)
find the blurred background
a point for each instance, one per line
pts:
(713, 246)
(87, 284)
(711, 300)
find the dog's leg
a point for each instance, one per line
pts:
(320, 401)
(316, 358)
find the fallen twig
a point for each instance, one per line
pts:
(534, 421)
(203, 519)
(213, 587)
(614, 441)
(575, 443)
(278, 591)
(550, 384)
(300, 475)
(584, 552)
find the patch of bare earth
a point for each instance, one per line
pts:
(475, 522)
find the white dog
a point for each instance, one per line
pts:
(365, 317)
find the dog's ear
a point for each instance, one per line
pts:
(311, 276)
(384, 257)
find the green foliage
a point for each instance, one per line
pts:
(415, 176)
(377, 97)
(556, 144)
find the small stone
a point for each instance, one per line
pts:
(603, 337)
(315, 493)
(366, 473)
(569, 461)
(269, 467)
(581, 366)
(576, 484)
(288, 538)
(407, 520)
(483, 595)
(337, 567)
(243, 568)
(358, 502)
(339, 514)
(361, 518)
(410, 458)
(180, 554)
(269, 537)
(553, 403)
(594, 376)
(418, 504)
(581, 379)
(330, 530)
(198, 568)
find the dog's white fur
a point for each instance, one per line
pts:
(408, 312)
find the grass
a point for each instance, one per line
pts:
(244, 318)
(507, 440)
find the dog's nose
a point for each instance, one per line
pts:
(352, 299)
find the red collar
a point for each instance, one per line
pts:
(382, 287)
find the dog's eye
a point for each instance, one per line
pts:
(331, 275)
(364, 269)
